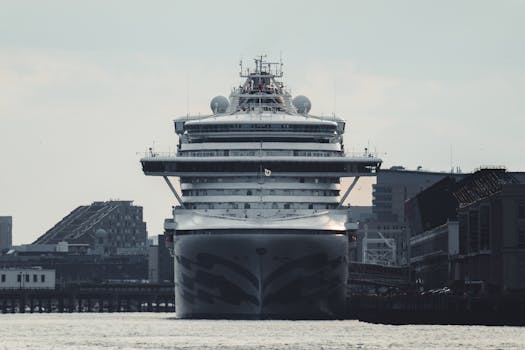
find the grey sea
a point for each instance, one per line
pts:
(163, 331)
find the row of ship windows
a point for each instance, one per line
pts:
(236, 167)
(260, 137)
(322, 180)
(248, 153)
(259, 205)
(260, 192)
(260, 127)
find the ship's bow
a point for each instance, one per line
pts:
(258, 276)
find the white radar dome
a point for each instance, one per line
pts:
(219, 104)
(302, 104)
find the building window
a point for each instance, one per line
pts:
(3, 278)
(19, 278)
(42, 278)
(521, 211)
(463, 233)
(27, 277)
(521, 238)
(484, 228)
(473, 226)
(35, 278)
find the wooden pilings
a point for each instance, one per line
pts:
(90, 298)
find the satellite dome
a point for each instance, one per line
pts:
(302, 104)
(219, 104)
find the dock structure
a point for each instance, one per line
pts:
(90, 298)
(438, 309)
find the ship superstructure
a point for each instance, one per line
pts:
(260, 230)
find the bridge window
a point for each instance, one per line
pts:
(260, 127)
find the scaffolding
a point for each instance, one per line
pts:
(378, 250)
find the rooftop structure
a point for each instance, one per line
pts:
(396, 185)
(27, 278)
(470, 232)
(6, 232)
(108, 228)
(481, 184)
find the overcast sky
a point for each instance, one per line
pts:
(87, 85)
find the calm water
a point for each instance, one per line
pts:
(161, 331)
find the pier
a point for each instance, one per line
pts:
(90, 298)
(438, 309)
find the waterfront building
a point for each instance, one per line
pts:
(160, 261)
(80, 268)
(6, 233)
(430, 253)
(470, 233)
(104, 241)
(491, 219)
(102, 228)
(27, 278)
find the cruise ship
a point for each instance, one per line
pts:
(259, 228)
